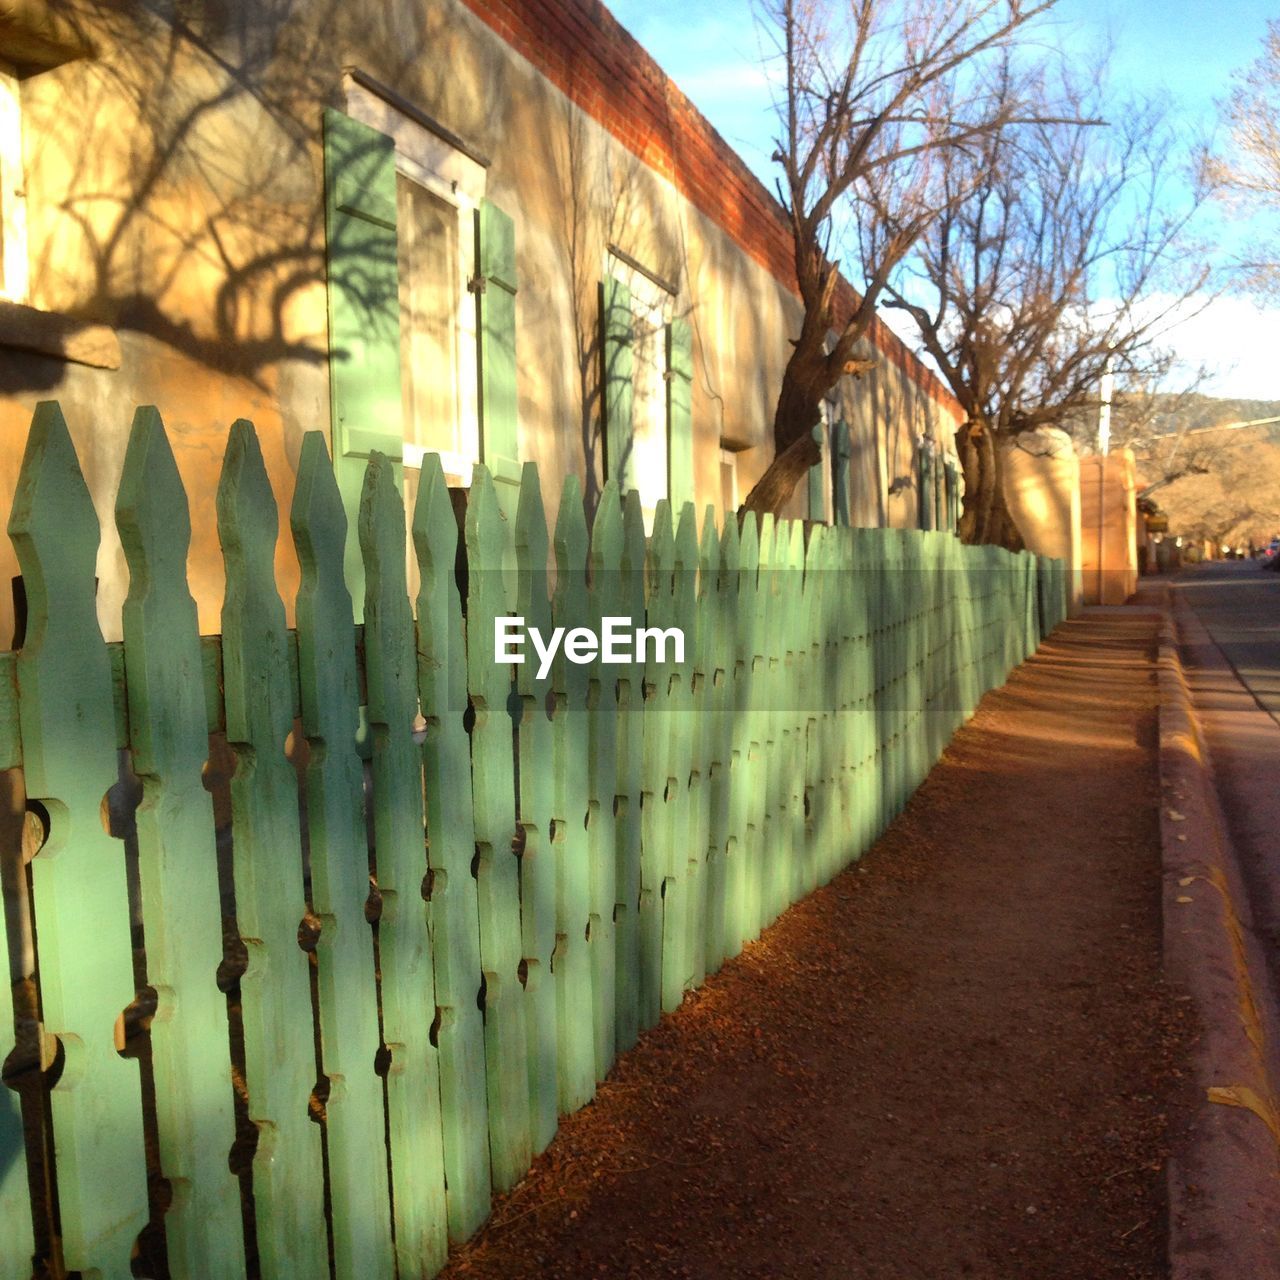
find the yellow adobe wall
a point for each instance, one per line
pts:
(1108, 528)
(1042, 490)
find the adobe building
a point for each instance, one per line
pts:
(1108, 527)
(487, 228)
(1042, 490)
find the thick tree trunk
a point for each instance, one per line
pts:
(985, 519)
(805, 382)
(773, 490)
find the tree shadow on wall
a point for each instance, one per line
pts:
(182, 199)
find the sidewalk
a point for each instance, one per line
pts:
(955, 1060)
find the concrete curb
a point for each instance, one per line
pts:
(1224, 1171)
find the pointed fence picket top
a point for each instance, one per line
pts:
(537, 811)
(452, 908)
(177, 862)
(339, 860)
(497, 869)
(574, 942)
(399, 832)
(628, 804)
(79, 895)
(275, 994)
(605, 601)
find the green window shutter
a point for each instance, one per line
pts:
(363, 288)
(679, 414)
(841, 453)
(496, 259)
(616, 379)
(817, 473)
(953, 494)
(924, 487)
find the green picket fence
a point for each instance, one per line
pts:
(557, 860)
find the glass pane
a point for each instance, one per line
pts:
(428, 263)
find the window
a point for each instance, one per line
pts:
(439, 188)
(421, 283)
(649, 310)
(428, 256)
(648, 376)
(729, 499)
(13, 213)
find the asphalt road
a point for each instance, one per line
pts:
(1230, 644)
(1239, 605)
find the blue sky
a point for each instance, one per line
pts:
(1184, 49)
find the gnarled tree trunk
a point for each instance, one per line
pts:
(985, 519)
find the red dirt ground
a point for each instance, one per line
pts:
(955, 1060)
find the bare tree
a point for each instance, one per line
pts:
(875, 92)
(1056, 252)
(1247, 172)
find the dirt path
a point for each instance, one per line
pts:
(953, 1061)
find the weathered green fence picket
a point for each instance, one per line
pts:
(654, 802)
(718, 621)
(275, 997)
(497, 869)
(675, 697)
(706, 749)
(452, 907)
(339, 861)
(78, 876)
(537, 800)
(629, 949)
(404, 941)
(574, 1003)
(745, 766)
(606, 601)
(764, 787)
(177, 862)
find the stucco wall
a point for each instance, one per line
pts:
(175, 192)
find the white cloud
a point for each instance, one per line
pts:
(1238, 342)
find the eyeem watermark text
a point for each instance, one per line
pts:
(617, 643)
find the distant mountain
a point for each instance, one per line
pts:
(1170, 414)
(1223, 486)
